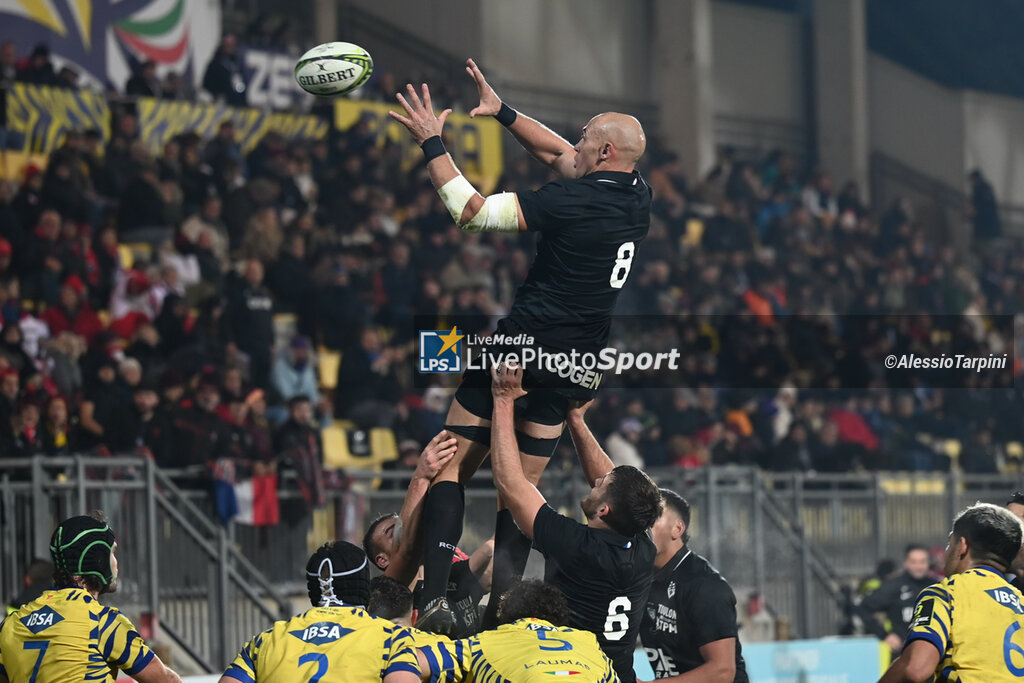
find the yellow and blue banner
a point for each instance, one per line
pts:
(474, 143)
(161, 120)
(43, 114)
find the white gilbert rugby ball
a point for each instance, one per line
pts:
(333, 69)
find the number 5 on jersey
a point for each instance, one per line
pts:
(623, 262)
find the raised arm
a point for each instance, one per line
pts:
(593, 460)
(522, 497)
(403, 565)
(469, 209)
(543, 144)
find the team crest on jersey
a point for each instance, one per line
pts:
(1007, 598)
(41, 619)
(671, 589)
(321, 633)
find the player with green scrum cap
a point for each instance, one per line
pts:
(66, 634)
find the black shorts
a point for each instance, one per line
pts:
(549, 394)
(540, 405)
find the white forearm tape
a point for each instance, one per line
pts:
(498, 214)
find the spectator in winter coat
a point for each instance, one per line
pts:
(293, 373)
(223, 78)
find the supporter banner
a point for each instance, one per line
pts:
(161, 120)
(475, 144)
(832, 660)
(43, 114)
(270, 80)
(103, 39)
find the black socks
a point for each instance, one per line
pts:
(442, 528)
(511, 552)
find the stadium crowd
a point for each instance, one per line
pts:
(138, 294)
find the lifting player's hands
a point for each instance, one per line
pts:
(490, 103)
(420, 121)
(577, 409)
(507, 381)
(435, 455)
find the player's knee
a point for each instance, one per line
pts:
(532, 445)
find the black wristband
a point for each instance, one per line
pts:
(506, 116)
(433, 148)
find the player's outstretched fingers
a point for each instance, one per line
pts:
(401, 119)
(408, 110)
(413, 97)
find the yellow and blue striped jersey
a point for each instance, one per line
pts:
(975, 620)
(67, 635)
(328, 644)
(526, 651)
(425, 640)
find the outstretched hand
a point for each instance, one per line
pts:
(420, 122)
(507, 381)
(490, 103)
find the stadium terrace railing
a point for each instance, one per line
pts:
(181, 575)
(801, 541)
(754, 137)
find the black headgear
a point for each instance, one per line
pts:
(82, 546)
(338, 571)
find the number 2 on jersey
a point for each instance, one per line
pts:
(623, 262)
(321, 664)
(617, 623)
(40, 645)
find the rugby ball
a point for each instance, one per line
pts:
(333, 69)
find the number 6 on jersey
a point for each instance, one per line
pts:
(623, 262)
(617, 623)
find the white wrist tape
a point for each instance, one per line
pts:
(499, 212)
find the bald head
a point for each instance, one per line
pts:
(610, 142)
(624, 132)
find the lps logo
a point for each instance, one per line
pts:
(440, 351)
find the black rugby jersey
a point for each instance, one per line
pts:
(689, 605)
(897, 597)
(590, 229)
(605, 578)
